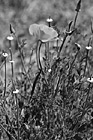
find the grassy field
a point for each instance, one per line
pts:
(46, 70)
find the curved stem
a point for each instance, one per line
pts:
(39, 62)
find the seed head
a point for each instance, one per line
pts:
(16, 91)
(49, 19)
(10, 37)
(5, 54)
(88, 47)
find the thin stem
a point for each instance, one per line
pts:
(34, 84)
(47, 49)
(5, 79)
(75, 19)
(22, 61)
(12, 69)
(85, 63)
(47, 54)
(72, 63)
(60, 49)
(18, 138)
(39, 55)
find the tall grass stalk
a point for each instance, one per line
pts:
(5, 79)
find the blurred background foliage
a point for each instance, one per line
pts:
(22, 13)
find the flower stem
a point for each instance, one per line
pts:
(86, 63)
(39, 62)
(18, 138)
(75, 19)
(5, 79)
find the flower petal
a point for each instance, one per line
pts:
(34, 30)
(47, 33)
(42, 32)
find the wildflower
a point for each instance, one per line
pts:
(90, 80)
(88, 47)
(49, 20)
(42, 32)
(5, 54)
(16, 91)
(10, 37)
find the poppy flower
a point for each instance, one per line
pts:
(42, 32)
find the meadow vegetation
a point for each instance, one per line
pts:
(46, 70)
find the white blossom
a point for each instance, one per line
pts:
(10, 37)
(88, 47)
(5, 54)
(16, 91)
(49, 20)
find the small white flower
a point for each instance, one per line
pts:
(88, 47)
(11, 61)
(5, 54)
(90, 80)
(49, 70)
(49, 20)
(16, 91)
(10, 37)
